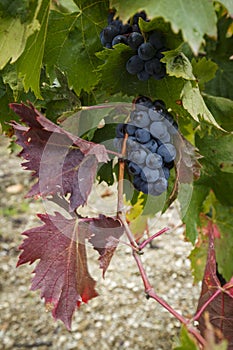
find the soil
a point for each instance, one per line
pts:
(121, 317)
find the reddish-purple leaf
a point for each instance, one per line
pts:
(62, 162)
(105, 233)
(220, 309)
(34, 119)
(62, 272)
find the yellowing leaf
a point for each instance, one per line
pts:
(193, 102)
(13, 37)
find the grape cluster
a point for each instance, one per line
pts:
(150, 153)
(145, 61)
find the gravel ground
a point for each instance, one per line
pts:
(121, 317)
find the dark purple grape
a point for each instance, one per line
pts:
(155, 115)
(140, 118)
(126, 29)
(130, 129)
(153, 66)
(109, 33)
(120, 130)
(167, 151)
(159, 105)
(119, 39)
(160, 185)
(151, 145)
(143, 75)
(154, 161)
(149, 175)
(134, 65)
(136, 17)
(135, 39)
(158, 129)
(156, 39)
(160, 75)
(142, 135)
(134, 169)
(143, 101)
(137, 156)
(146, 51)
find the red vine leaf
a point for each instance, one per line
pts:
(62, 162)
(220, 309)
(105, 232)
(62, 272)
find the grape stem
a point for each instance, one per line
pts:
(136, 250)
(150, 239)
(150, 293)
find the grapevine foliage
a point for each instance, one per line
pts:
(95, 71)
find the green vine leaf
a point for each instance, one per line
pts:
(30, 62)
(14, 35)
(72, 42)
(204, 70)
(193, 102)
(178, 65)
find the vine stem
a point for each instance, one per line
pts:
(136, 251)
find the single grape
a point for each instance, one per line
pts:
(109, 33)
(134, 65)
(144, 187)
(137, 156)
(155, 115)
(130, 129)
(153, 66)
(165, 138)
(120, 130)
(158, 129)
(136, 17)
(146, 51)
(140, 118)
(173, 129)
(143, 75)
(169, 165)
(161, 74)
(160, 185)
(159, 53)
(132, 145)
(119, 39)
(142, 103)
(156, 39)
(135, 28)
(151, 145)
(154, 161)
(134, 169)
(135, 39)
(149, 175)
(126, 29)
(108, 45)
(159, 105)
(139, 184)
(102, 38)
(167, 151)
(142, 135)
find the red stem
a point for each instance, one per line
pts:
(136, 251)
(148, 240)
